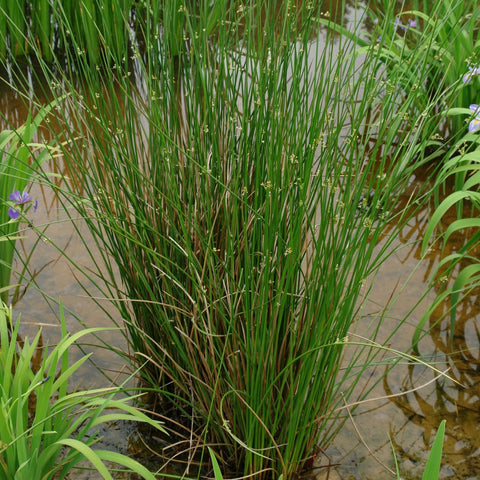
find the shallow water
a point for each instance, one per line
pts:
(410, 420)
(407, 422)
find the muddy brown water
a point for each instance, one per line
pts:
(363, 447)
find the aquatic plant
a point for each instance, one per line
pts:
(100, 28)
(446, 34)
(238, 191)
(432, 467)
(462, 164)
(46, 431)
(98, 31)
(20, 158)
(21, 203)
(474, 124)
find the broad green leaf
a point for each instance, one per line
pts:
(439, 213)
(127, 462)
(89, 454)
(216, 467)
(432, 469)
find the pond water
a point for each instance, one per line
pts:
(408, 423)
(363, 447)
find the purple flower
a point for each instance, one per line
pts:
(398, 23)
(20, 201)
(472, 71)
(411, 23)
(474, 125)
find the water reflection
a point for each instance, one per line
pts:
(409, 422)
(458, 403)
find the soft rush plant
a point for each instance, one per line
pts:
(100, 28)
(432, 467)
(45, 430)
(238, 190)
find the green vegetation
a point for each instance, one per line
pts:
(240, 191)
(461, 167)
(45, 431)
(45, 27)
(432, 468)
(239, 169)
(20, 157)
(456, 47)
(434, 47)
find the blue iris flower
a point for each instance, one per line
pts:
(472, 72)
(20, 202)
